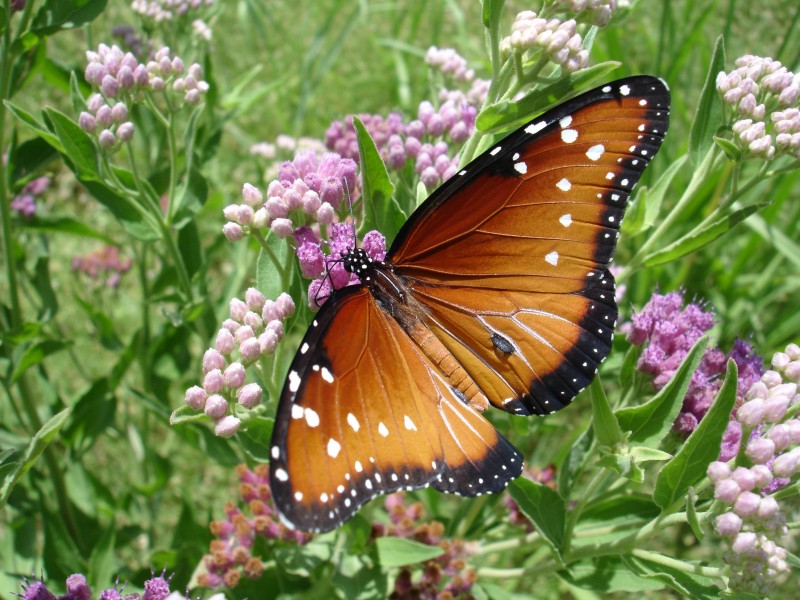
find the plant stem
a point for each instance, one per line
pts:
(677, 564)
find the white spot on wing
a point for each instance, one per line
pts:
(552, 258)
(353, 422)
(382, 429)
(358, 466)
(312, 418)
(535, 127)
(304, 348)
(595, 152)
(564, 185)
(565, 122)
(521, 167)
(298, 496)
(333, 448)
(275, 452)
(409, 424)
(569, 135)
(281, 475)
(297, 411)
(327, 375)
(565, 220)
(494, 151)
(624, 90)
(294, 381)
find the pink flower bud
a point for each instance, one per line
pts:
(225, 342)
(254, 299)
(177, 65)
(87, 122)
(230, 325)
(249, 396)
(763, 475)
(282, 227)
(251, 194)
(782, 436)
(726, 490)
(311, 202)
(757, 390)
(293, 200)
(157, 84)
(254, 321)
(775, 408)
(140, 76)
(771, 379)
(196, 71)
(196, 397)
(745, 543)
(231, 212)
(785, 465)
(768, 508)
(125, 78)
(751, 413)
(106, 139)
(94, 73)
(227, 426)
(745, 479)
(245, 332)
(232, 231)
(119, 112)
(793, 351)
(238, 310)
(109, 86)
(746, 504)
(268, 341)
(125, 131)
(276, 327)
(250, 350)
(213, 382)
(270, 311)
(783, 389)
(104, 115)
(193, 97)
(760, 450)
(244, 215)
(234, 375)
(276, 207)
(285, 305)
(260, 218)
(429, 177)
(94, 103)
(728, 524)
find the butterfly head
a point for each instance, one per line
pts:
(357, 261)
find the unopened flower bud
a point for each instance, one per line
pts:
(196, 397)
(213, 382)
(249, 395)
(232, 231)
(227, 426)
(225, 342)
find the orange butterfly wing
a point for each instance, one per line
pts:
(365, 412)
(510, 259)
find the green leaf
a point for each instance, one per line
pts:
(708, 118)
(35, 354)
(545, 508)
(574, 462)
(685, 583)
(125, 210)
(303, 560)
(66, 225)
(624, 465)
(690, 463)
(607, 575)
(102, 561)
(731, 150)
(38, 128)
(649, 423)
(44, 288)
(256, 437)
(715, 225)
(647, 205)
(79, 149)
(507, 115)
(93, 414)
(269, 280)
(691, 515)
(186, 414)
(65, 14)
(381, 210)
(38, 443)
(399, 552)
(29, 157)
(191, 197)
(606, 427)
(492, 9)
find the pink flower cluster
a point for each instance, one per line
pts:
(447, 576)
(166, 10)
(155, 588)
(327, 269)
(771, 459)
(105, 263)
(449, 62)
(253, 330)
(309, 188)
(232, 553)
(557, 40)
(595, 12)
(24, 203)
(669, 330)
(763, 94)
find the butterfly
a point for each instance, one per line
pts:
(496, 291)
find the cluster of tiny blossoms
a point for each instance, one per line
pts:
(753, 521)
(424, 140)
(155, 588)
(122, 79)
(24, 203)
(166, 10)
(104, 263)
(446, 576)
(763, 94)
(594, 12)
(231, 553)
(669, 330)
(309, 188)
(253, 330)
(558, 40)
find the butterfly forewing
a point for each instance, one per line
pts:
(515, 278)
(363, 412)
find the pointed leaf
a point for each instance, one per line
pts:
(35, 354)
(650, 422)
(647, 205)
(66, 225)
(399, 552)
(381, 210)
(690, 463)
(606, 428)
(708, 118)
(545, 508)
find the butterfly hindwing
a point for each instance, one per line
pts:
(510, 256)
(364, 412)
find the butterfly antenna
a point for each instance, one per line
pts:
(350, 207)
